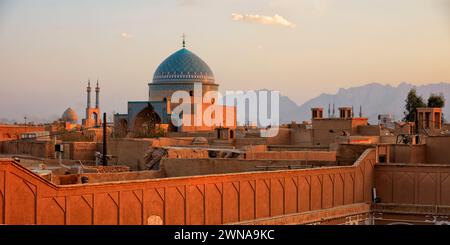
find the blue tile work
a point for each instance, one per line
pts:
(183, 66)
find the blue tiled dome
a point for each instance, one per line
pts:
(183, 66)
(70, 116)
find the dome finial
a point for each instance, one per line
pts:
(184, 40)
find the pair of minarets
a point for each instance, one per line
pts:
(97, 95)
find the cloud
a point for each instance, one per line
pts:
(262, 19)
(126, 35)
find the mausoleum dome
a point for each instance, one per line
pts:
(183, 66)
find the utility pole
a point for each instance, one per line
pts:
(105, 160)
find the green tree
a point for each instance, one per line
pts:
(413, 101)
(436, 100)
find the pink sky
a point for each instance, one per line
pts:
(49, 48)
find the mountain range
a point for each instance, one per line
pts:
(374, 99)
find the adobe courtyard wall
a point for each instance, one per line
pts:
(438, 149)
(434, 151)
(352, 214)
(26, 198)
(401, 153)
(418, 184)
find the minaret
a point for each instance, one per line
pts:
(88, 89)
(353, 115)
(97, 97)
(360, 110)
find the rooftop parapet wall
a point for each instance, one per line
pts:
(405, 153)
(131, 151)
(325, 130)
(242, 142)
(297, 148)
(26, 198)
(46, 149)
(186, 167)
(82, 150)
(36, 148)
(12, 132)
(282, 138)
(369, 130)
(437, 149)
(295, 155)
(347, 154)
(352, 214)
(106, 177)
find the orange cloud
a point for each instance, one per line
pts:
(262, 19)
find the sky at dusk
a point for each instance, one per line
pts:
(49, 48)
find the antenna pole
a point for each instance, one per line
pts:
(105, 159)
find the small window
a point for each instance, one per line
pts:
(212, 154)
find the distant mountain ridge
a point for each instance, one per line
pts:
(375, 99)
